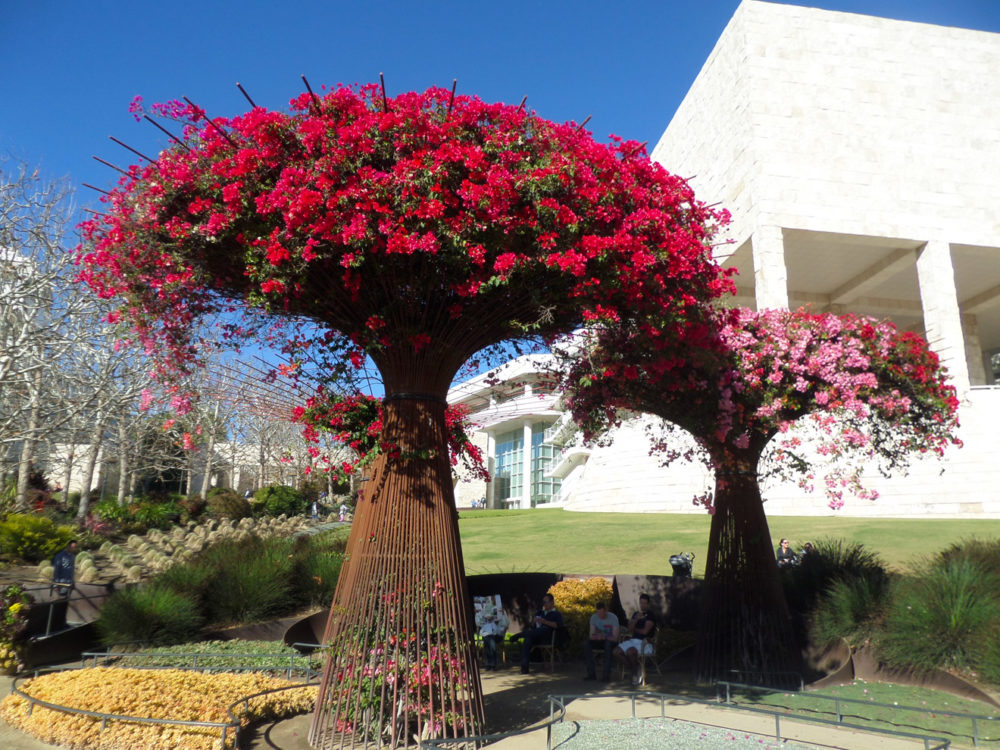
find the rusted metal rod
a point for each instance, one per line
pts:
(246, 95)
(585, 121)
(168, 133)
(385, 101)
(109, 164)
(137, 153)
(311, 92)
(211, 124)
(451, 101)
(92, 187)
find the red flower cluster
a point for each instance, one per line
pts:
(424, 224)
(356, 421)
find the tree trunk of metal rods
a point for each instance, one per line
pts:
(401, 664)
(746, 630)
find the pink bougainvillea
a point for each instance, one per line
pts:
(866, 389)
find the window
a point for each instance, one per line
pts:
(543, 457)
(508, 472)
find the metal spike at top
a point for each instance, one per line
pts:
(92, 211)
(137, 153)
(211, 124)
(451, 101)
(585, 121)
(92, 187)
(638, 148)
(311, 92)
(246, 95)
(523, 100)
(170, 135)
(109, 164)
(385, 101)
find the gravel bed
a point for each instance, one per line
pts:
(657, 734)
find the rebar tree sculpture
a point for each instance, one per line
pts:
(871, 395)
(416, 231)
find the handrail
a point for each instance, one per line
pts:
(484, 739)
(943, 743)
(975, 718)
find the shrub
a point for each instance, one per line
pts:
(224, 503)
(32, 538)
(830, 560)
(576, 600)
(851, 608)
(192, 507)
(252, 580)
(317, 568)
(944, 618)
(983, 552)
(148, 614)
(278, 499)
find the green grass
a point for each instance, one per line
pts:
(928, 719)
(557, 541)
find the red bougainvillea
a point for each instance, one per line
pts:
(356, 422)
(423, 228)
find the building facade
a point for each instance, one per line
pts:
(860, 160)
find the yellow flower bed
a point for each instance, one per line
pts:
(149, 693)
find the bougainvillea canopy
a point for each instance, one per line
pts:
(420, 229)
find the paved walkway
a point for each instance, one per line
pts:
(514, 701)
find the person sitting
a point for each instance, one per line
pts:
(603, 637)
(492, 624)
(546, 620)
(64, 568)
(641, 626)
(786, 555)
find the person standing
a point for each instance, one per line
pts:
(64, 568)
(603, 637)
(545, 622)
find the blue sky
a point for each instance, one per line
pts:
(71, 68)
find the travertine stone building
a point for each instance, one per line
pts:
(860, 159)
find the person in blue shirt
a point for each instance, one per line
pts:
(545, 621)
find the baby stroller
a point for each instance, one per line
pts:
(682, 565)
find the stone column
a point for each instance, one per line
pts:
(973, 350)
(491, 465)
(770, 277)
(942, 316)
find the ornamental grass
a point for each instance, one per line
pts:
(162, 694)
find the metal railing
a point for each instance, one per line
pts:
(839, 702)
(929, 742)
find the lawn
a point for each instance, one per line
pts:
(928, 717)
(557, 541)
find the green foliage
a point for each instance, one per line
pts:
(983, 552)
(832, 560)
(32, 538)
(252, 580)
(225, 503)
(139, 516)
(944, 618)
(317, 569)
(278, 499)
(149, 614)
(229, 654)
(851, 608)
